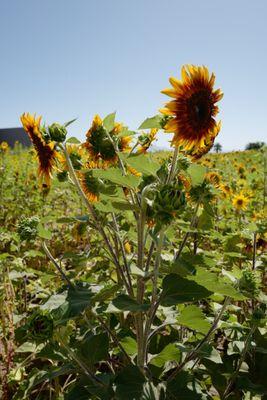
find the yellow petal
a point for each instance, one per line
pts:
(169, 92)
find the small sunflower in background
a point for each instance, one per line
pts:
(240, 202)
(99, 146)
(226, 190)
(214, 178)
(4, 147)
(145, 141)
(46, 152)
(193, 108)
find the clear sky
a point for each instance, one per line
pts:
(74, 58)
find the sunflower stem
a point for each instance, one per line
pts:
(173, 165)
(62, 273)
(92, 212)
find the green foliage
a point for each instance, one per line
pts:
(183, 276)
(27, 228)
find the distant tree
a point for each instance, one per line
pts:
(217, 147)
(254, 145)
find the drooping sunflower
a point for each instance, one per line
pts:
(46, 152)
(146, 140)
(76, 156)
(98, 143)
(198, 152)
(90, 185)
(240, 202)
(193, 108)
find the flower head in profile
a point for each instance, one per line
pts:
(146, 140)
(240, 202)
(193, 108)
(98, 143)
(46, 152)
(214, 178)
(90, 185)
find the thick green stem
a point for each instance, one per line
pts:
(92, 212)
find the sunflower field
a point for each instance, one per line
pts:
(130, 274)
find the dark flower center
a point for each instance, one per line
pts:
(199, 107)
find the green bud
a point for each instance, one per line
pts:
(248, 284)
(259, 316)
(62, 176)
(76, 160)
(57, 132)
(45, 134)
(183, 162)
(169, 200)
(40, 327)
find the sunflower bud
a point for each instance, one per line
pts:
(40, 327)
(259, 316)
(27, 228)
(169, 199)
(248, 284)
(57, 132)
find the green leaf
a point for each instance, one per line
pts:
(109, 121)
(169, 353)
(126, 132)
(143, 163)
(210, 353)
(70, 122)
(129, 344)
(54, 301)
(73, 140)
(129, 383)
(193, 318)
(213, 283)
(180, 290)
(126, 303)
(184, 265)
(106, 293)
(95, 348)
(153, 122)
(43, 233)
(180, 387)
(115, 175)
(77, 300)
(197, 173)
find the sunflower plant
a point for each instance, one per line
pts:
(142, 320)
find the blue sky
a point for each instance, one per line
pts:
(74, 58)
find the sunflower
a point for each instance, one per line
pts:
(46, 152)
(90, 186)
(193, 108)
(146, 140)
(4, 147)
(240, 202)
(226, 190)
(214, 178)
(98, 143)
(75, 153)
